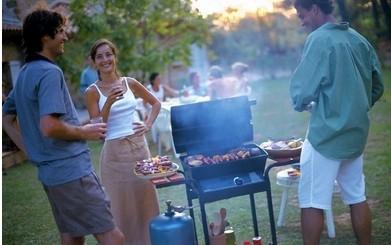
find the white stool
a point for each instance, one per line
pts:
(286, 181)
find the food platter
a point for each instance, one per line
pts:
(282, 148)
(156, 167)
(162, 174)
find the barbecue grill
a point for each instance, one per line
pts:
(215, 128)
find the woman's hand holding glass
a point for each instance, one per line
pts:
(116, 93)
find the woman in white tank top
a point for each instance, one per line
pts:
(133, 200)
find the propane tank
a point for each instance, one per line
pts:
(173, 227)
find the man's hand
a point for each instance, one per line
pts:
(310, 106)
(96, 131)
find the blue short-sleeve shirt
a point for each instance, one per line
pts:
(41, 90)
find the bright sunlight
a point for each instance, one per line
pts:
(219, 6)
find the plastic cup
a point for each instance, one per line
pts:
(96, 120)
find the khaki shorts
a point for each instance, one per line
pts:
(319, 173)
(80, 207)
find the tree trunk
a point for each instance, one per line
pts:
(375, 13)
(343, 11)
(387, 14)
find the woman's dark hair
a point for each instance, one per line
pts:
(326, 6)
(95, 47)
(38, 24)
(152, 77)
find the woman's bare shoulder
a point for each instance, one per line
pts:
(91, 90)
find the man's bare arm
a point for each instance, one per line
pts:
(54, 127)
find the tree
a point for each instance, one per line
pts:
(149, 34)
(342, 10)
(375, 13)
(266, 41)
(387, 15)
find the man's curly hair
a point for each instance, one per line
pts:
(38, 24)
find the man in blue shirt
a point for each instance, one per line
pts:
(339, 80)
(88, 76)
(53, 137)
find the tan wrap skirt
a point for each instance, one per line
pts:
(133, 200)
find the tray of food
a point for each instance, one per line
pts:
(282, 148)
(155, 167)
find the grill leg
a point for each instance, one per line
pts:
(204, 223)
(271, 215)
(191, 210)
(254, 215)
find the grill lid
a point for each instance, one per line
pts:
(212, 126)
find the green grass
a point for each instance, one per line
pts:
(27, 217)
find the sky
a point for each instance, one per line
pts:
(217, 6)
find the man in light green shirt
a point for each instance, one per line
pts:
(338, 80)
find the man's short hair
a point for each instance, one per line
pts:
(38, 24)
(240, 67)
(326, 6)
(215, 72)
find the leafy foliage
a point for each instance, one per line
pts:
(149, 34)
(263, 40)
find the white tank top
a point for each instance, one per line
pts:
(159, 94)
(122, 114)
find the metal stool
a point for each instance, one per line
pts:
(286, 181)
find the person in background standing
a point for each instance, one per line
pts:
(53, 137)
(112, 97)
(218, 86)
(338, 79)
(239, 70)
(88, 76)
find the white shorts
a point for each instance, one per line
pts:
(319, 173)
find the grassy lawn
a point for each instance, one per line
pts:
(27, 217)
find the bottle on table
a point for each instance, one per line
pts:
(257, 240)
(230, 236)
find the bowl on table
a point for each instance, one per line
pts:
(278, 149)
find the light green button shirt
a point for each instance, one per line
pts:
(340, 71)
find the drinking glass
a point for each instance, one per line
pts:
(96, 120)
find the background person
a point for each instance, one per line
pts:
(218, 86)
(161, 92)
(53, 138)
(112, 97)
(340, 72)
(196, 87)
(242, 86)
(88, 76)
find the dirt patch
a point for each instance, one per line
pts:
(373, 203)
(344, 218)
